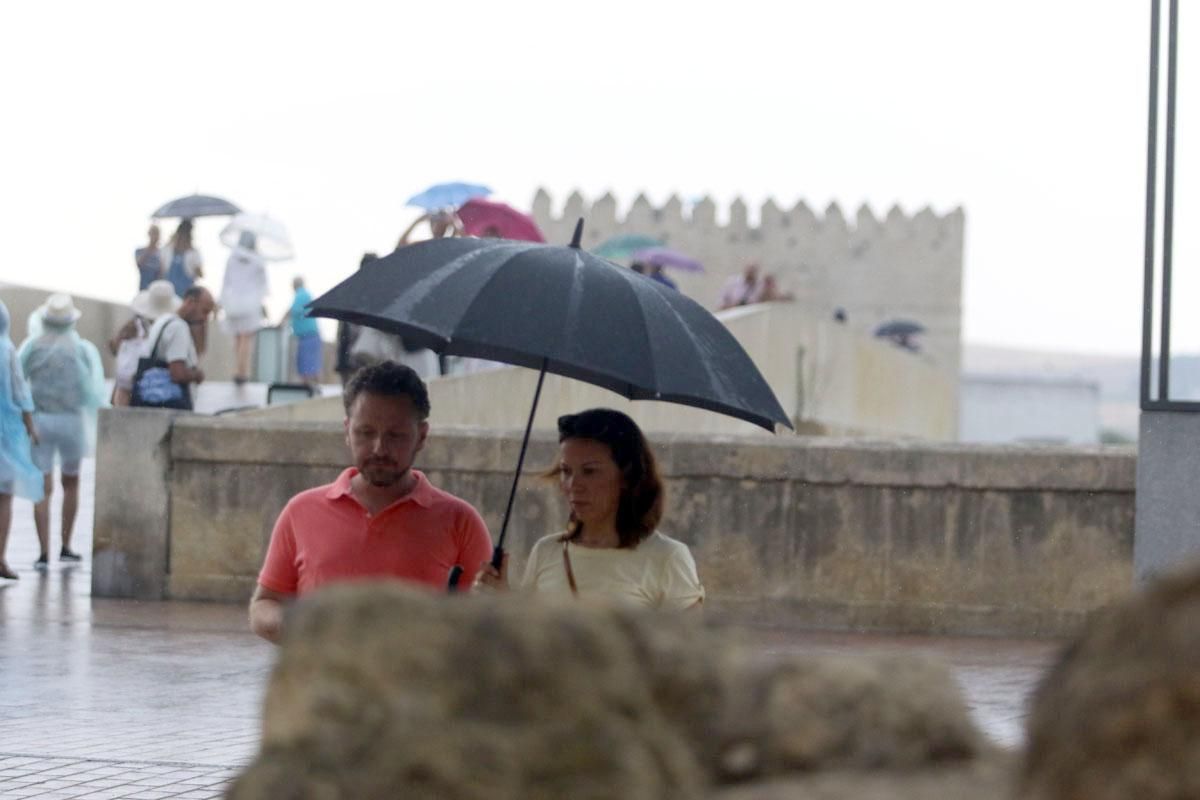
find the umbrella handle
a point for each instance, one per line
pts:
(452, 582)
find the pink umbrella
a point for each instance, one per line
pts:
(488, 218)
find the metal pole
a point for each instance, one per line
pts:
(498, 553)
(1164, 353)
(1151, 186)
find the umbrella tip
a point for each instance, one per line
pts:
(577, 239)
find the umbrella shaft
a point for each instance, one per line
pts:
(498, 553)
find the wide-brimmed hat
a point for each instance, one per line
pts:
(59, 309)
(158, 299)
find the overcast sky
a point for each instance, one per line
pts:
(1030, 115)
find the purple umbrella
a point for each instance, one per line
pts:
(666, 257)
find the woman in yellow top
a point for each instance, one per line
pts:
(611, 547)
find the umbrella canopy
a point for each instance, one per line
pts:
(196, 205)
(488, 218)
(899, 327)
(562, 310)
(666, 257)
(625, 245)
(271, 240)
(447, 195)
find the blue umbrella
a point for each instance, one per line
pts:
(197, 205)
(447, 195)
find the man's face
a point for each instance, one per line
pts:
(198, 309)
(384, 434)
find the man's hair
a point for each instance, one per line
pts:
(194, 292)
(391, 380)
(643, 495)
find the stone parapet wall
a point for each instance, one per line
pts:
(793, 530)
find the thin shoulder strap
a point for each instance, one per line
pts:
(161, 331)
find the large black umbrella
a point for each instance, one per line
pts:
(559, 310)
(196, 205)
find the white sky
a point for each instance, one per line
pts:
(1031, 115)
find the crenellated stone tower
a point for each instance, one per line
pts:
(898, 267)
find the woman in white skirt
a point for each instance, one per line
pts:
(242, 294)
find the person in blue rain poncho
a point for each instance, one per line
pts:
(66, 381)
(18, 475)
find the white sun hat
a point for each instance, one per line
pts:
(158, 299)
(59, 309)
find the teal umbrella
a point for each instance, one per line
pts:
(625, 245)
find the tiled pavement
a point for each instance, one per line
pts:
(104, 699)
(118, 699)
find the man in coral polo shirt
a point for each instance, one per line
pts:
(380, 518)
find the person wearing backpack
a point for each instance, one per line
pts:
(131, 341)
(171, 365)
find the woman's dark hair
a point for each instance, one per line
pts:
(390, 380)
(640, 508)
(182, 238)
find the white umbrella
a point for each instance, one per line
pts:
(271, 240)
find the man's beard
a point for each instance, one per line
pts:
(382, 474)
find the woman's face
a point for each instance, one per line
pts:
(590, 480)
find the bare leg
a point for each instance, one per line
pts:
(41, 515)
(5, 522)
(244, 347)
(70, 506)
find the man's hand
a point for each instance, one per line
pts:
(266, 613)
(491, 578)
(27, 418)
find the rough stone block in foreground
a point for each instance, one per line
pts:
(382, 691)
(1119, 716)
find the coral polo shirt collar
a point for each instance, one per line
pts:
(423, 494)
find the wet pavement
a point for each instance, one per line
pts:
(105, 699)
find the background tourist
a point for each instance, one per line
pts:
(181, 260)
(769, 291)
(66, 381)
(308, 338)
(18, 474)
(740, 289)
(172, 340)
(149, 262)
(656, 273)
(243, 292)
(130, 342)
(611, 548)
(381, 517)
(442, 224)
(347, 333)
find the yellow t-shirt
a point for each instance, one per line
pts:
(658, 573)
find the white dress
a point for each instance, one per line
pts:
(243, 291)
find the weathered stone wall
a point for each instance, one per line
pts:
(812, 531)
(876, 269)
